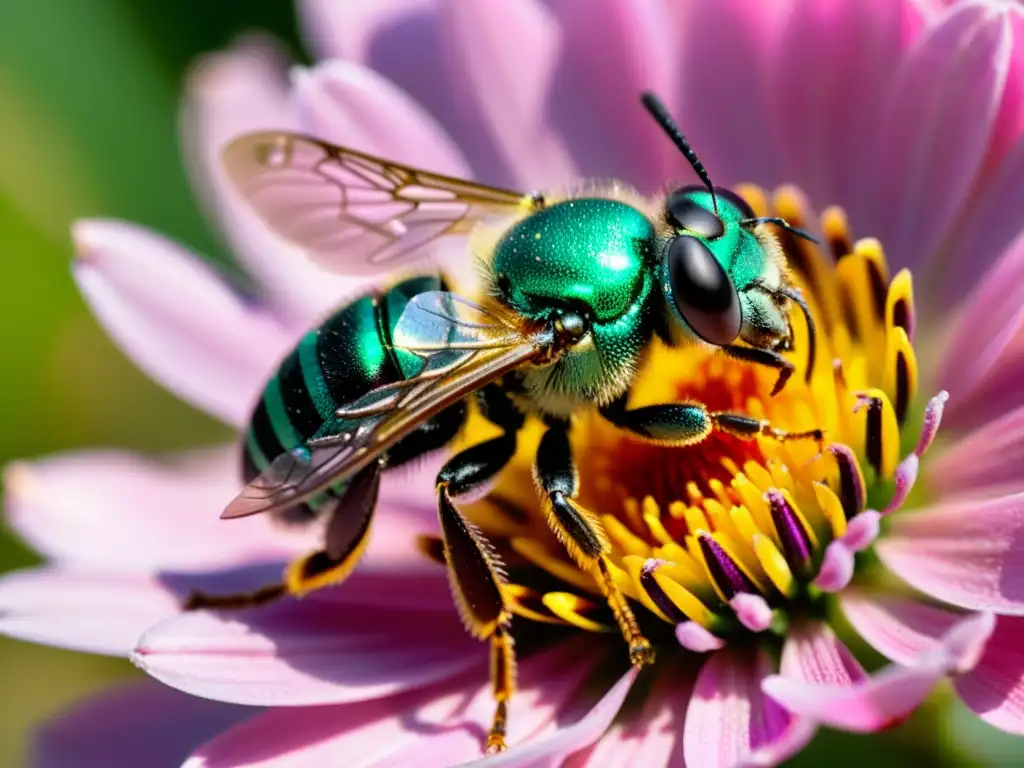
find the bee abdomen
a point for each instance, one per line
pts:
(341, 360)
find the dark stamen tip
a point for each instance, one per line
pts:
(852, 494)
(873, 437)
(725, 572)
(795, 539)
(657, 594)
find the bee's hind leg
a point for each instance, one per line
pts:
(345, 540)
(582, 534)
(474, 568)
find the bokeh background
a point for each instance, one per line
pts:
(89, 94)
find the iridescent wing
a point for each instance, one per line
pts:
(352, 212)
(461, 346)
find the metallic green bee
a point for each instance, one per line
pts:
(576, 288)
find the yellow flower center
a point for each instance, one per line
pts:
(693, 528)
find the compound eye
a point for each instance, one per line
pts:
(685, 213)
(741, 205)
(703, 293)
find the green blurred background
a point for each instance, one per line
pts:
(88, 114)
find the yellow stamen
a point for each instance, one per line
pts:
(775, 565)
(832, 508)
(571, 608)
(528, 603)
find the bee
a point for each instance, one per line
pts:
(576, 288)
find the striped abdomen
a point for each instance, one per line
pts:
(338, 362)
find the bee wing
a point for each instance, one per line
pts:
(355, 213)
(461, 347)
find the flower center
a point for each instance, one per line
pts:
(720, 538)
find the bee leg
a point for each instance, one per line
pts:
(769, 359)
(474, 568)
(690, 423)
(746, 427)
(345, 540)
(581, 533)
(198, 601)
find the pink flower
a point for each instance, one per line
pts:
(921, 144)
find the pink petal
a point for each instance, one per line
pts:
(440, 725)
(904, 629)
(814, 654)
(829, 93)
(628, 146)
(994, 689)
(82, 610)
(723, 97)
(122, 512)
(797, 735)
(645, 735)
(228, 94)
(836, 568)
(729, 718)
(504, 91)
(886, 700)
(904, 480)
(888, 697)
(353, 106)
(752, 610)
(931, 422)
(991, 225)
(349, 645)
(551, 749)
(350, 30)
(967, 553)
(900, 628)
(406, 42)
(695, 637)
(862, 530)
(999, 392)
(985, 462)
(176, 318)
(135, 724)
(990, 222)
(937, 128)
(985, 334)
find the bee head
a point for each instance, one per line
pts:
(722, 273)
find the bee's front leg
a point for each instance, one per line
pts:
(690, 423)
(581, 533)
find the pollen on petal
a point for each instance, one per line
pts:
(906, 476)
(932, 419)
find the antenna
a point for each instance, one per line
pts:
(748, 223)
(668, 125)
